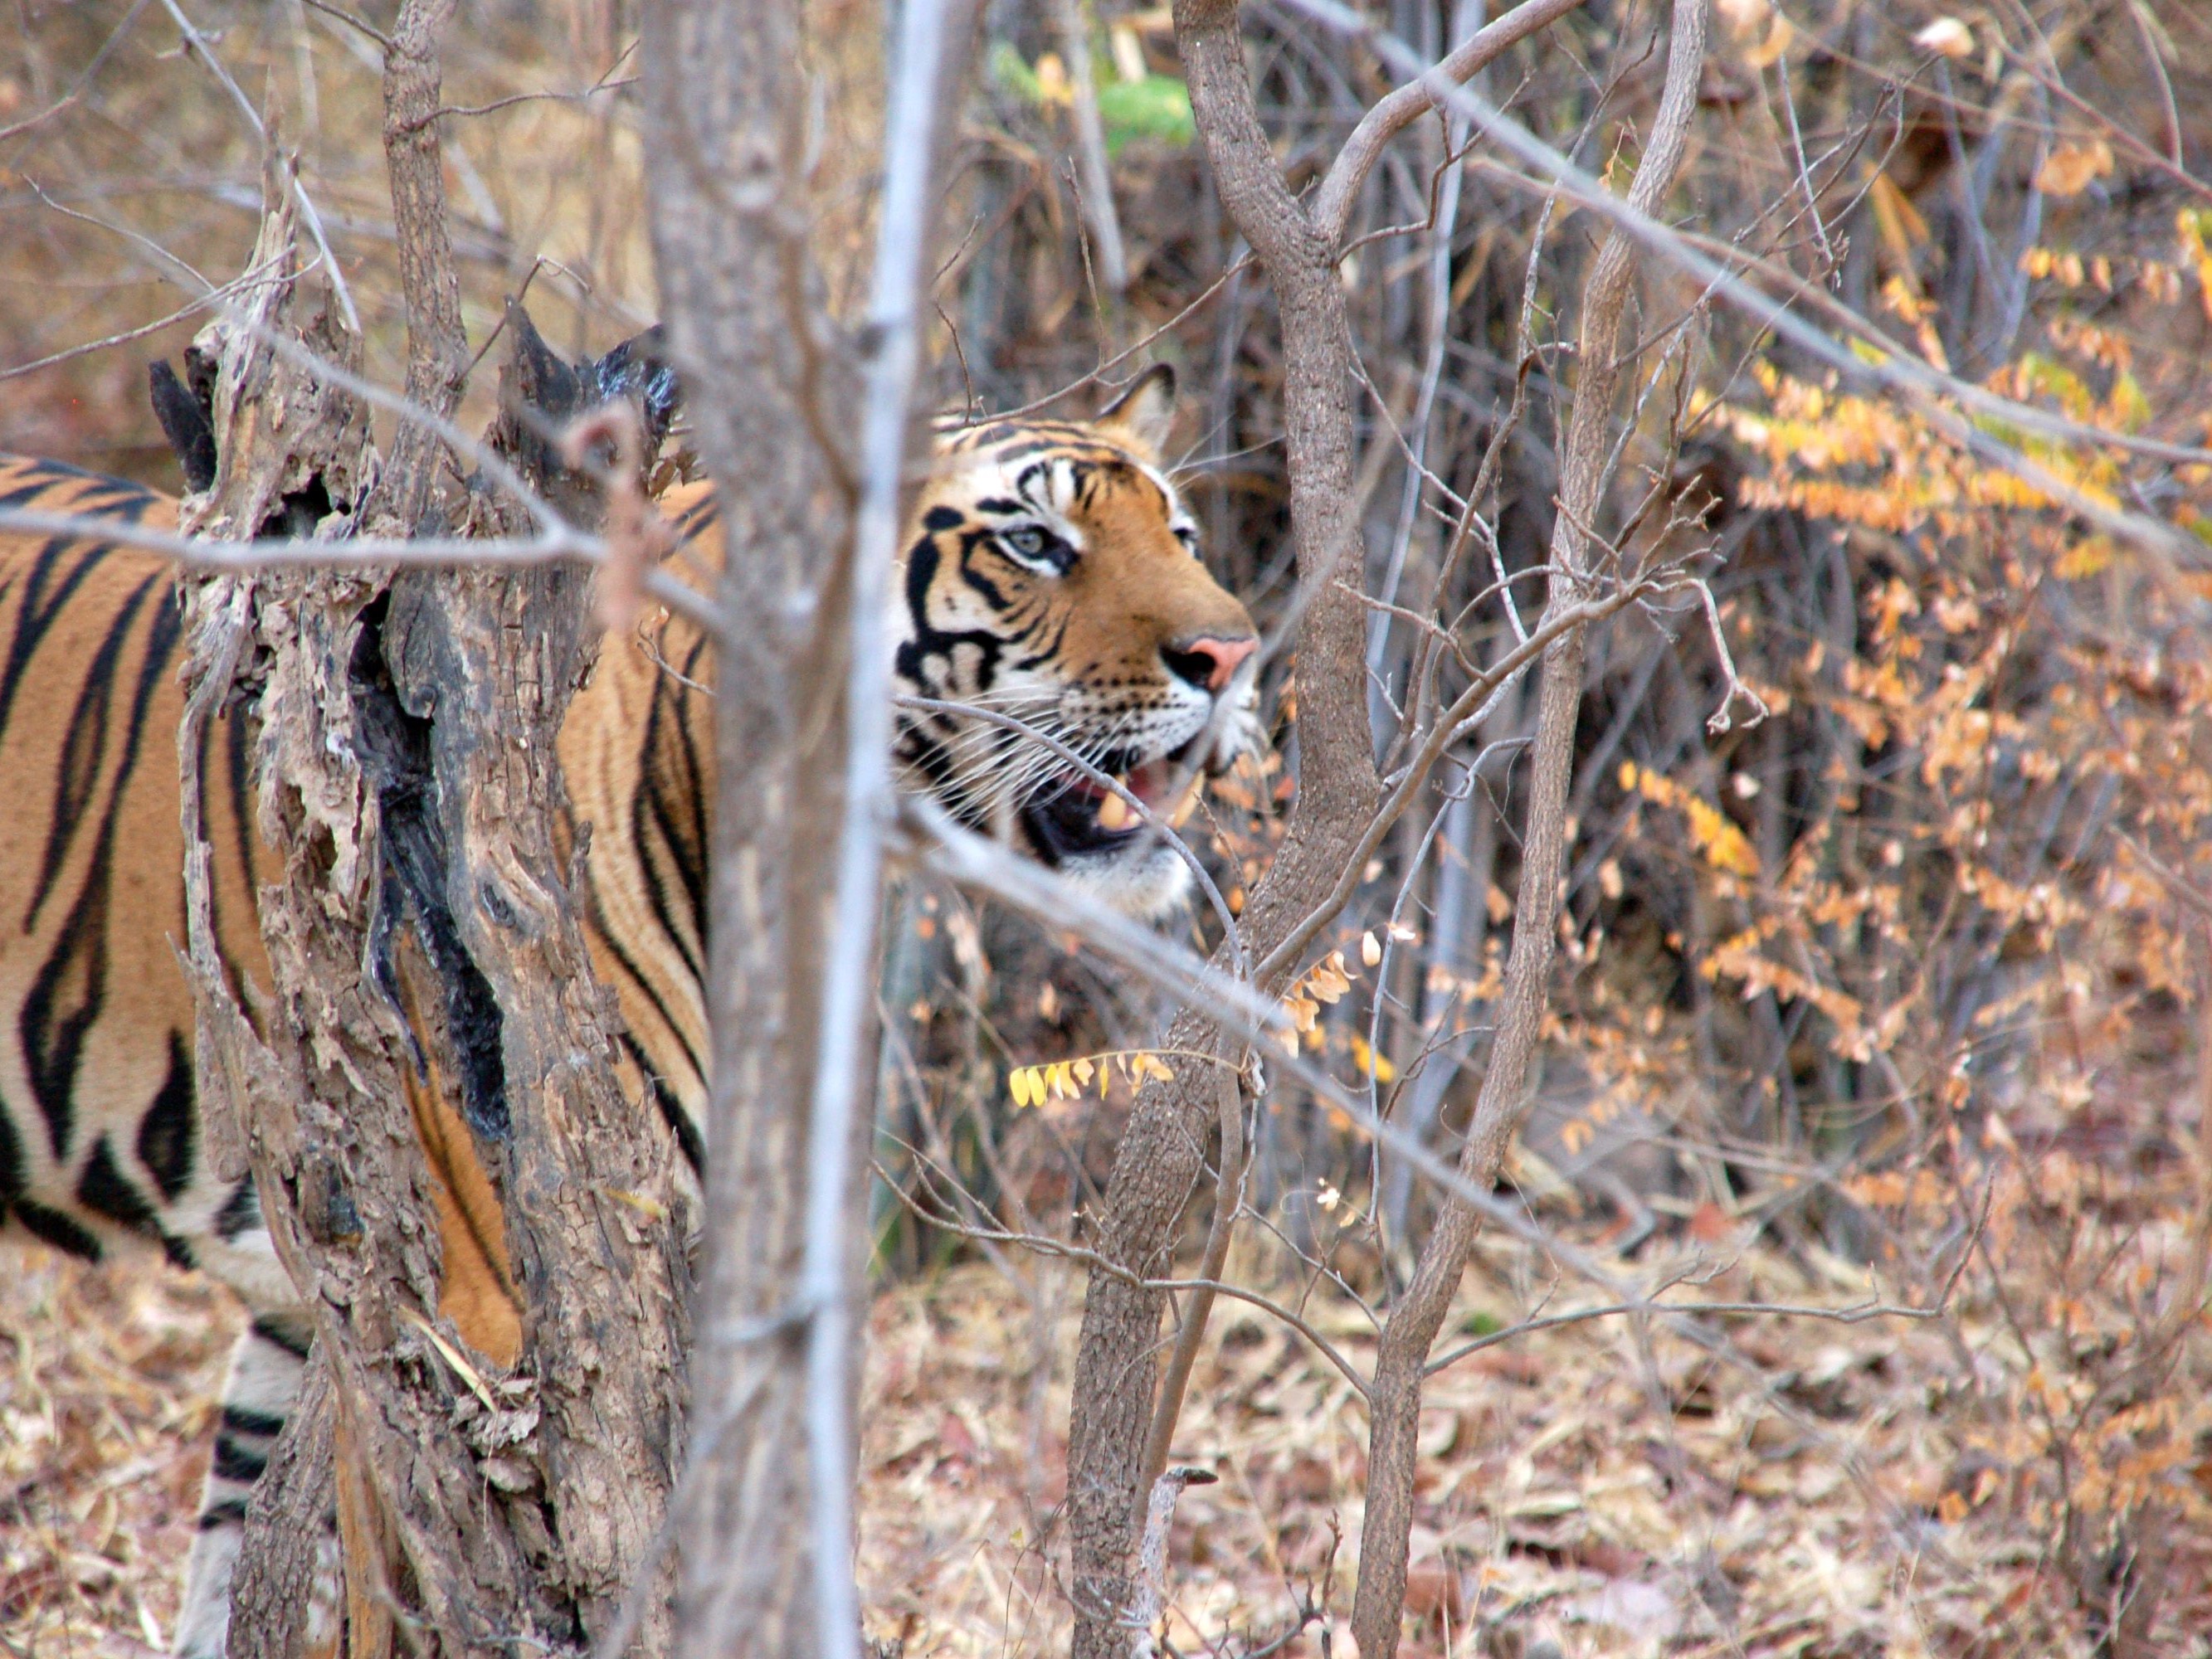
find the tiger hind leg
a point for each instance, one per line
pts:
(257, 1397)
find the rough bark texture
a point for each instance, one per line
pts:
(769, 386)
(1160, 1160)
(406, 779)
(1162, 1152)
(437, 354)
(1394, 1400)
(428, 962)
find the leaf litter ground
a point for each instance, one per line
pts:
(1607, 1488)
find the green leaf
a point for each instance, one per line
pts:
(1012, 71)
(1156, 108)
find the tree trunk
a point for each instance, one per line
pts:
(767, 380)
(1161, 1157)
(435, 1033)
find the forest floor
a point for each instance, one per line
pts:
(1600, 1487)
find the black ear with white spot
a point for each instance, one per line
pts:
(1142, 416)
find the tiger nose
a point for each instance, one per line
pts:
(1207, 662)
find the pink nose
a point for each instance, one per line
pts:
(1208, 662)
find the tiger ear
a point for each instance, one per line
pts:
(1142, 416)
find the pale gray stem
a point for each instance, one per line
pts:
(1098, 210)
(927, 51)
(1152, 1556)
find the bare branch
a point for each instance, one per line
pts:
(929, 55)
(1926, 388)
(197, 44)
(1386, 120)
(1091, 149)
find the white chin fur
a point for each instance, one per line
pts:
(1147, 885)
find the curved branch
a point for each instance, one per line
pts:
(1332, 204)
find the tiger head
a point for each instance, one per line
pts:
(1052, 576)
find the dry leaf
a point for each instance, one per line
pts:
(1768, 53)
(2067, 170)
(1947, 37)
(1709, 1223)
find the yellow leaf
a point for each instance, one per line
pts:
(1902, 228)
(1053, 88)
(1768, 52)
(2084, 559)
(2069, 169)
(1082, 1071)
(1017, 1085)
(1369, 1061)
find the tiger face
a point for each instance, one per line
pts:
(1054, 576)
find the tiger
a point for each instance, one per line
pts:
(1049, 572)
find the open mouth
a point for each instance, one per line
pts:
(1073, 816)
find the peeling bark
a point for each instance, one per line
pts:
(494, 1411)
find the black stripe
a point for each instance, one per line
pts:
(929, 641)
(664, 811)
(83, 747)
(671, 1108)
(235, 1463)
(231, 1512)
(238, 755)
(241, 1211)
(993, 595)
(233, 840)
(57, 1228)
(14, 1182)
(35, 618)
(105, 1190)
(244, 1419)
(168, 1135)
(70, 989)
(645, 986)
(272, 1329)
(63, 1001)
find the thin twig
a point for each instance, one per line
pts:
(197, 44)
(1098, 194)
(1926, 387)
(216, 296)
(348, 18)
(1442, 735)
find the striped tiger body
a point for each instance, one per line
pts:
(1050, 574)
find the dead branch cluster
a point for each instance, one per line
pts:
(1683, 1120)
